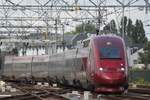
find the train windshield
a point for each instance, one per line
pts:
(110, 53)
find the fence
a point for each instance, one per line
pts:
(143, 75)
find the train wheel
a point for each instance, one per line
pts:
(126, 85)
(89, 86)
(33, 80)
(79, 84)
(13, 77)
(50, 80)
(64, 81)
(74, 82)
(57, 81)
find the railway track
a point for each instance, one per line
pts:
(32, 92)
(125, 97)
(140, 90)
(22, 97)
(36, 96)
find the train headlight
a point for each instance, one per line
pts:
(101, 69)
(122, 69)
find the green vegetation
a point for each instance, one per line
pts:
(84, 27)
(139, 80)
(111, 27)
(139, 76)
(135, 32)
(136, 69)
(72, 32)
(145, 57)
(138, 34)
(87, 27)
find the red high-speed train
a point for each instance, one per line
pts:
(101, 66)
(107, 65)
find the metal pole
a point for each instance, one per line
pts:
(123, 30)
(56, 30)
(48, 64)
(31, 70)
(63, 42)
(123, 8)
(99, 19)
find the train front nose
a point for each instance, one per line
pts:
(110, 78)
(110, 82)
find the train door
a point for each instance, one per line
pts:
(88, 70)
(91, 64)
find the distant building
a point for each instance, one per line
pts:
(79, 37)
(44, 36)
(133, 54)
(68, 40)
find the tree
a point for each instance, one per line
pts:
(130, 28)
(138, 34)
(144, 57)
(142, 36)
(111, 27)
(71, 32)
(84, 27)
(135, 32)
(123, 24)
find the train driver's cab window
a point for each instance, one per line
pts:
(110, 53)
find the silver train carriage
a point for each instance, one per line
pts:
(69, 65)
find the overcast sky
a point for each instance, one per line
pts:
(133, 13)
